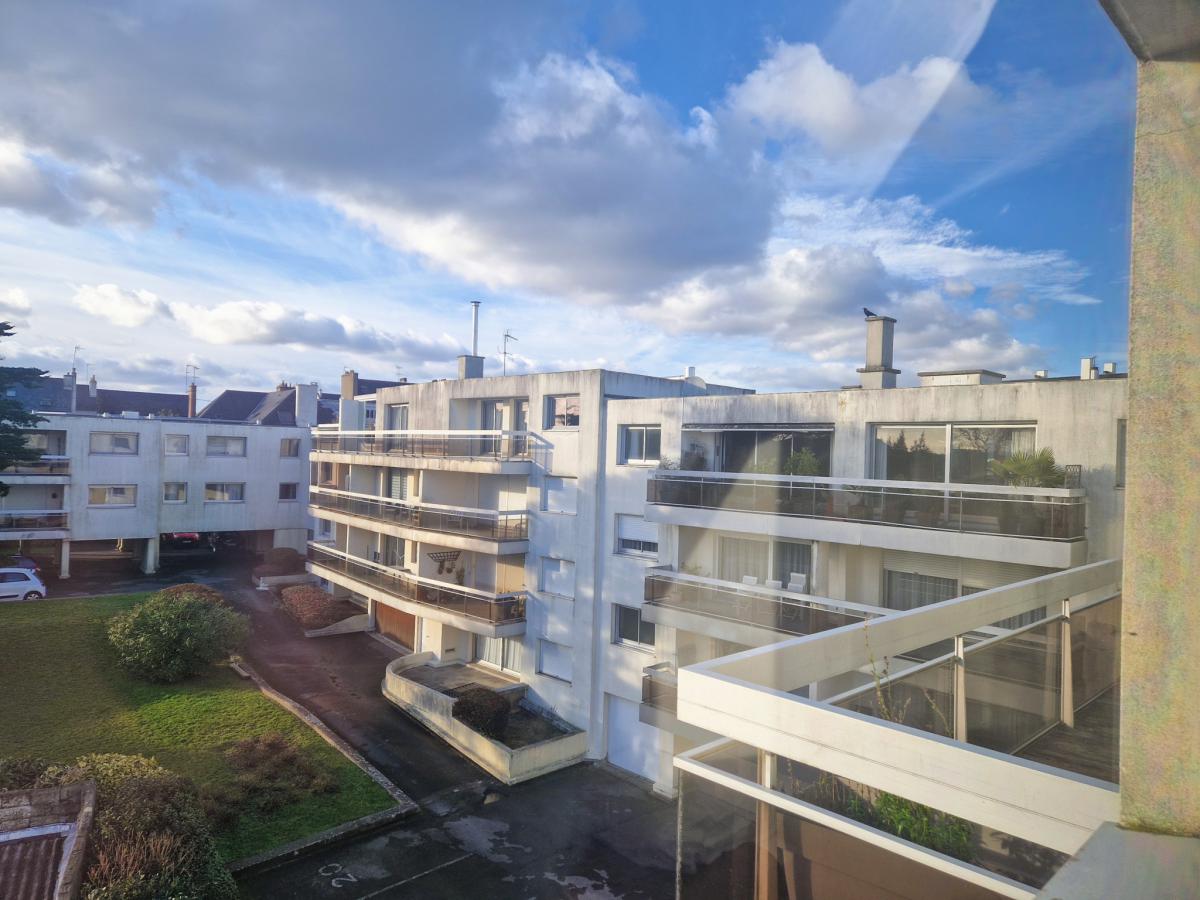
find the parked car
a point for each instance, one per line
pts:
(24, 562)
(20, 584)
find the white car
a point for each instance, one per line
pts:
(20, 584)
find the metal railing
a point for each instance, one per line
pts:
(1056, 514)
(496, 526)
(660, 686)
(47, 465)
(783, 611)
(32, 519)
(453, 444)
(494, 608)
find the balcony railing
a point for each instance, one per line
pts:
(660, 686)
(33, 520)
(456, 444)
(497, 609)
(785, 611)
(494, 526)
(47, 465)
(1056, 514)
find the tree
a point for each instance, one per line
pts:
(15, 418)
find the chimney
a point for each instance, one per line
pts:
(471, 365)
(69, 381)
(1041, 375)
(191, 403)
(92, 387)
(1110, 368)
(349, 384)
(689, 372)
(307, 400)
(1087, 368)
(878, 372)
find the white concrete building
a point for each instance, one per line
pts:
(127, 479)
(587, 534)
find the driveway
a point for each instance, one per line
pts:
(583, 831)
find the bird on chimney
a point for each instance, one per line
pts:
(868, 313)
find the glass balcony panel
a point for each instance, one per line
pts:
(1095, 650)
(1013, 688)
(498, 528)
(447, 445)
(922, 699)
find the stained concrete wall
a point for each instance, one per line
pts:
(1160, 730)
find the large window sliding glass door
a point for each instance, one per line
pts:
(962, 454)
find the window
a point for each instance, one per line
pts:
(911, 453)
(558, 577)
(112, 495)
(221, 445)
(324, 527)
(559, 493)
(908, 590)
(35, 441)
(288, 490)
(792, 564)
(396, 484)
(740, 558)
(630, 628)
(175, 444)
(114, 442)
(636, 537)
(974, 448)
(562, 412)
(775, 452)
(395, 417)
(175, 492)
(289, 447)
(13, 577)
(555, 660)
(224, 492)
(641, 444)
(1120, 466)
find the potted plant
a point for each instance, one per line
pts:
(1026, 469)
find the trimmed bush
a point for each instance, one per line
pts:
(149, 838)
(192, 589)
(313, 607)
(167, 639)
(483, 711)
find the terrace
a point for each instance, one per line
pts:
(476, 611)
(1044, 526)
(499, 452)
(494, 528)
(1004, 745)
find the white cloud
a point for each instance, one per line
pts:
(14, 301)
(129, 309)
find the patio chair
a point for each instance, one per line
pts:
(798, 582)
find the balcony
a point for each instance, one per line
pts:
(1007, 745)
(48, 467)
(479, 612)
(659, 687)
(32, 522)
(1037, 526)
(487, 531)
(492, 452)
(746, 614)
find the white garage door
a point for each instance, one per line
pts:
(632, 745)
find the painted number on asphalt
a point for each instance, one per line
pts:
(338, 876)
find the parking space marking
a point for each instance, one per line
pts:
(412, 878)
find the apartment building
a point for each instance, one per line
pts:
(126, 470)
(464, 517)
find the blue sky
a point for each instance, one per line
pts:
(272, 194)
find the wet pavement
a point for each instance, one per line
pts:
(579, 832)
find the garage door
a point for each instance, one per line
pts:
(399, 626)
(632, 745)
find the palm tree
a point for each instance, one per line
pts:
(1029, 469)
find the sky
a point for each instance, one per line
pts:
(281, 191)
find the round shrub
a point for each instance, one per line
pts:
(149, 838)
(483, 711)
(192, 589)
(19, 773)
(167, 639)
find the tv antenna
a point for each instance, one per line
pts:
(189, 375)
(74, 356)
(508, 336)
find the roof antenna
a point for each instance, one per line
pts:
(74, 356)
(508, 336)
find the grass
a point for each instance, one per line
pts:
(63, 695)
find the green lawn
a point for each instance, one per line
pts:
(62, 695)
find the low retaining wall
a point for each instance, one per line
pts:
(435, 711)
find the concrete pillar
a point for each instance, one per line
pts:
(64, 560)
(1160, 730)
(150, 556)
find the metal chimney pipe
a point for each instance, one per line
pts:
(191, 400)
(474, 327)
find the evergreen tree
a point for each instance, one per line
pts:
(15, 418)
